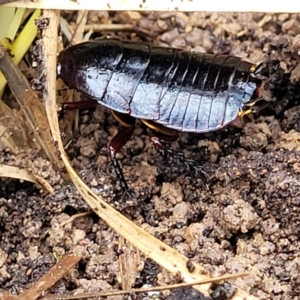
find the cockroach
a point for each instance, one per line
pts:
(168, 89)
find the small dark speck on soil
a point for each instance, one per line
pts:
(187, 294)
(222, 291)
(149, 274)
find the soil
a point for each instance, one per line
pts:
(247, 220)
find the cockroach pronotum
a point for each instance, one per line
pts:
(168, 89)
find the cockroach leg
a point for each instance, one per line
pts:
(161, 142)
(86, 104)
(117, 142)
(162, 136)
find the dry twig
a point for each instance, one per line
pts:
(51, 277)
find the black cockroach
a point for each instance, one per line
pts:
(168, 89)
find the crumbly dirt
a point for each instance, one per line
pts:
(247, 221)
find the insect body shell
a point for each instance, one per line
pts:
(186, 91)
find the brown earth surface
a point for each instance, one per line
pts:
(248, 220)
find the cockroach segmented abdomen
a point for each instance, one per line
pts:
(185, 91)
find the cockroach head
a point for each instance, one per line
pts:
(66, 67)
